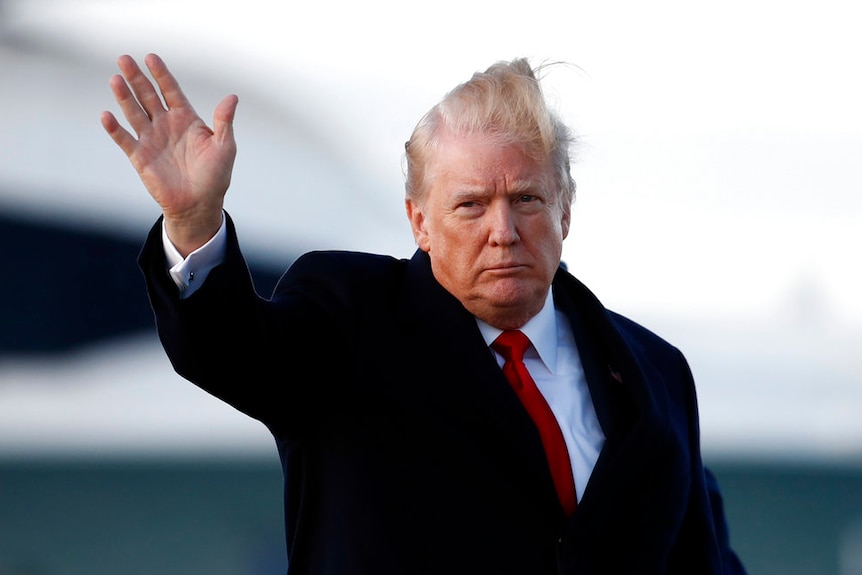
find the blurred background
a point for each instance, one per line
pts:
(718, 203)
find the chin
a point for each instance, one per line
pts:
(512, 307)
(517, 293)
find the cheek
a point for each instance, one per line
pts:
(451, 250)
(455, 237)
(457, 253)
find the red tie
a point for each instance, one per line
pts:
(512, 345)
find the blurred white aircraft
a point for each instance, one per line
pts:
(718, 200)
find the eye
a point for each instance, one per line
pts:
(530, 202)
(469, 202)
(468, 209)
(529, 198)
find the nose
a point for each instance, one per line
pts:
(502, 224)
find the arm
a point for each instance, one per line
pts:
(732, 564)
(708, 493)
(259, 356)
(185, 165)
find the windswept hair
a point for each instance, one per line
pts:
(505, 102)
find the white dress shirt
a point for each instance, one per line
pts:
(189, 273)
(555, 365)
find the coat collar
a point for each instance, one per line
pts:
(478, 394)
(630, 393)
(444, 328)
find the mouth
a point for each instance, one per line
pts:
(506, 268)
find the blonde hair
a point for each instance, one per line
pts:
(505, 102)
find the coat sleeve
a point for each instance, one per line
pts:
(256, 354)
(706, 496)
(731, 562)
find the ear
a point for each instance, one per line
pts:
(417, 223)
(566, 219)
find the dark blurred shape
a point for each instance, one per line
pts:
(63, 287)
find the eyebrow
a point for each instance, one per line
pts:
(480, 191)
(471, 193)
(521, 186)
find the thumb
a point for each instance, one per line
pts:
(223, 119)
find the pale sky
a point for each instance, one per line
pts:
(718, 173)
(724, 138)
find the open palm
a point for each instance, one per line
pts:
(185, 165)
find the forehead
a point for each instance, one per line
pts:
(477, 160)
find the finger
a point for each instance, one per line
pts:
(120, 135)
(168, 85)
(130, 106)
(141, 86)
(223, 119)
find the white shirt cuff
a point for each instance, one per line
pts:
(189, 273)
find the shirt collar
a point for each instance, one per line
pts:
(541, 329)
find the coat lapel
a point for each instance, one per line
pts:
(464, 382)
(472, 387)
(640, 475)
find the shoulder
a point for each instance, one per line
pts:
(344, 263)
(652, 352)
(341, 274)
(662, 366)
(616, 330)
(636, 333)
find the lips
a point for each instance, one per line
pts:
(506, 268)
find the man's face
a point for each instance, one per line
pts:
(493, 226)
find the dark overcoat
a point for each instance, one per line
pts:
(404, 449)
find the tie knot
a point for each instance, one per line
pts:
(511, 345)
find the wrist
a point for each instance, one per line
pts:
(191, 231)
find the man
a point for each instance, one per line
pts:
(405, 447)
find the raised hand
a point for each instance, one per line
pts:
(184, 164)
